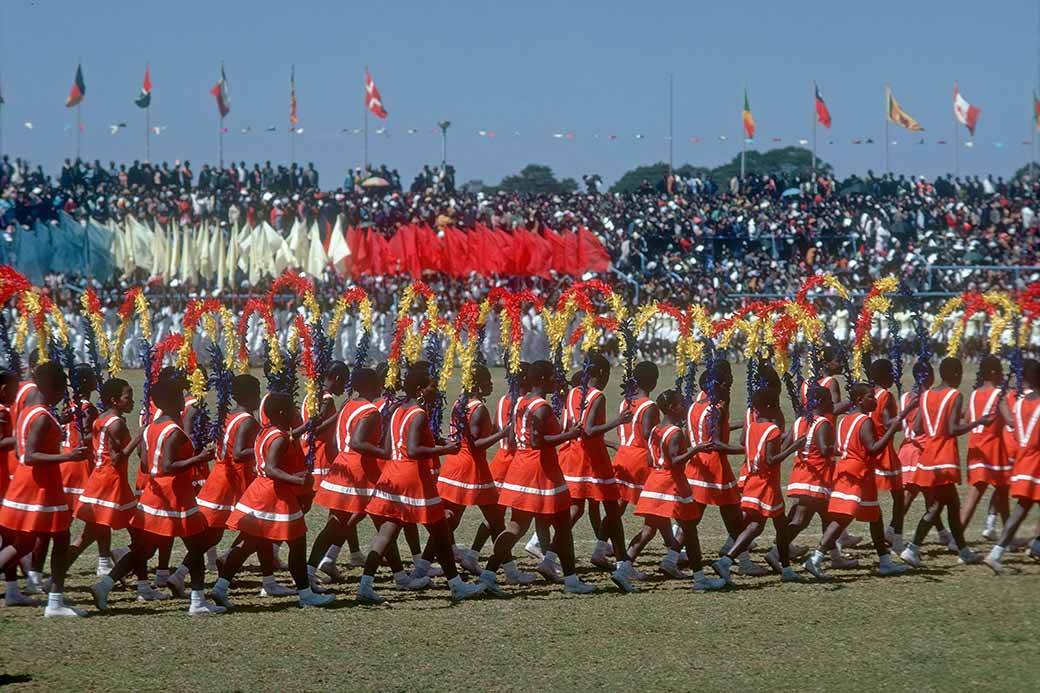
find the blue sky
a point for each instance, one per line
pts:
(544, 68)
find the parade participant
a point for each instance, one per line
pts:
(988, 461)
(888, 470)
(35, 505)
(74, 475)
(632, 463)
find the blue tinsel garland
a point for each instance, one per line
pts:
(711, 387)
(98, 366)
(220, 380)
(14, 360)
(435, 356)
(146, 388)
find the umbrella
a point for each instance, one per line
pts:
(375, 182)
(791, 192)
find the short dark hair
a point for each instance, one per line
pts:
(989, 365)
(949, 367)
(880, 369)
(668, 399)
(646, 374)
(112, 389)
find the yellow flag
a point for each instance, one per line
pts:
(897, 115)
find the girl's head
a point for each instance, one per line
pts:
(8, 386)
(481, 380)
(880, 372)
(246, 391)
(862, 397)
(85, 379)
(821, 397)
(769, 376)
(336, 378)
(278, 408)
(366, 383)
(646, 374)
(542, 375)
(670, 403)
(168, 395)
(951, 371)
(599, 371)
(418, 384)
(1031, 373)
(766, 402)
(117, 395)
(50, 379)
(830, 360)
(924, 374)
(991, 369)
(381, 370)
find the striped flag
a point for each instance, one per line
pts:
(145, 99)
(823, 115)
(220, 93)
(897, 115)
(78, 91)
(749, 122)
(373, 101)
(292, 96)
(966, 114)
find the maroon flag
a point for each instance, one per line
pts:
(823, 115)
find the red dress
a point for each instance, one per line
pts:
(167, 505)
(889, 469)
(570, 451)
(855, 490)
(632, 461)
(911, 447)
(35, 500)
(940, 459)
(812, 474)
(666, 492)
(7, 458)
(709, 473)
(25, 388)
(1025, 478)
(269, 509)
(504, 455)
(296, 458)
(534, 481)
(824, 382)
(351, 480)
(74, 474)
(324, 444)
(407, 488)
(107, 499)
(591, 474)
(762, 494)
(988, 461)
(465, 478)
(228, 480)
(1010, 439)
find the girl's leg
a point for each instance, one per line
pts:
(411, 535)
(971, 503)
(162, 571)
(613, 528)
(298, 563)
(596, 520)
(481, 537)
(333, 533)
(244, 547)
(783, 541)
(752, 528)
(733, 519)
(929, 517)
(643, 537)
(693, 545)
(898, 512)
(564, 541)
(952, 500)
(999, 502)
(388, 531)
(195, 560)
(577, 509)
(518, 523)
(440, 537)
(835, 527)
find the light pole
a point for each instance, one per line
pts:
(444, 125)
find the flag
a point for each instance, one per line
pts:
(897, 115)
(145, 99)
(373, 101)
(823, 116)
(78, 91)
(220, 93)
(1036, 111)
(967, 114)
(292, 96)
(1, 94)
(749, 122)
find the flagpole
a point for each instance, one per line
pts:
(813, 111)
(220, 142)
(364, 143)
(79, 128)
(292, 125)
(956, 143)
(671, 123)
(885, 111)
(148, 132)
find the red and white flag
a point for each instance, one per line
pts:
(373, 101)
(967, 114)
(220, 92)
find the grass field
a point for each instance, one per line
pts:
(933, 629)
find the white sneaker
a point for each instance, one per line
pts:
(520, 577)
(601, 561)
(814, 569)
(19, 599)
(990, 534)
(772, 557)
(410, 584)
(221, 597)
(150, 594)
(100, 591)
(176, 585)
(487, 578)
(968, 557)
(33, 586)
(331, 571)
(848, 541)
(946, 537)
(435, 571)
(888, 569)
(368, 595)
(843, 562)
(703, 583)
(356, 560)
(621, 578)
(890, 535)
(798, 551)
(788, 575)
(547, 570)
(671, 569)
(722, 567)
(277, 590)
(465, 590)
(308, 598)
(118, 553)
(636, 574)
(1034, 549)
(911, 556)
(748, 568)
(205, 609)
(470, 562)
(534, 549)
(63, 611)
(995, 565)
(578, 587)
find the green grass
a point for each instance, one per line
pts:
(935, 628)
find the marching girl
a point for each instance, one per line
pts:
(988, 460)
(347, 487)
(325, 452)
(632, 461)
(74, 474)
(888, 469)
(709, 472)
(166, 508)
(809, 487)
(465, 479)
(269, 509)
(855, 492)
(1025, 477)
(8, 463)
(762, 497)
(35, 506)
(406, 492)
(938, 473)
(107, 502)
(590, 475)
(830, 362)
(666, 494)
(911, 446)
(534, 485)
